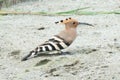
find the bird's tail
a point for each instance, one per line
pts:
(32, 54)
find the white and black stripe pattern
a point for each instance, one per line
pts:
(56, 43)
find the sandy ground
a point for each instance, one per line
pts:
(95, 54)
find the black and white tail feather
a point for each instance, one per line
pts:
(56, 43)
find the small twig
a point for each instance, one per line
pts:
(42, 28)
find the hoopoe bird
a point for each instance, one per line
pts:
(60, 41)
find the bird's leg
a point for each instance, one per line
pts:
(63, 53)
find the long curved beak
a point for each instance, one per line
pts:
(83, 23)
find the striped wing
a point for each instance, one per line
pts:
(53, 44)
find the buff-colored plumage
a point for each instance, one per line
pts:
(60, 41)
(69, 33)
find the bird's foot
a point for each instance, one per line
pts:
(64, 53)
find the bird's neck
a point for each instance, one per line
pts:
(68, 28)
(71, 31)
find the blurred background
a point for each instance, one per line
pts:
(7, 3)
(94, 55)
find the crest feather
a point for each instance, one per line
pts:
(67, 20)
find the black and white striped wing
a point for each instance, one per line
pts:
(54, 44)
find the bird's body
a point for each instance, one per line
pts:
(58, 42)
(68, 35)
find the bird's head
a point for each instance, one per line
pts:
(72, 23)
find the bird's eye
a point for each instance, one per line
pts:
(66, 19)
(73, 22)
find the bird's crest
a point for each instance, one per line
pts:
(67, 20)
